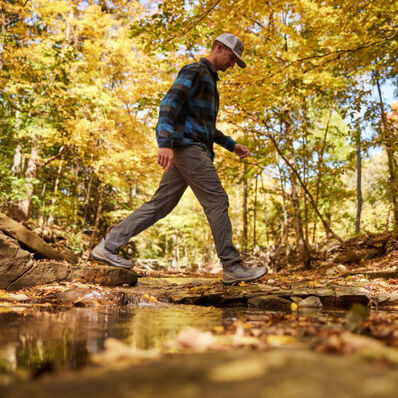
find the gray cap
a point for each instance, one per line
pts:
(233, 43)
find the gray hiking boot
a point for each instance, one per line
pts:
(241, 272)
(99, 253)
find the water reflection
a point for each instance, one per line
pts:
(64, 337)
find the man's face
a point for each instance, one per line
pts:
(225, 59)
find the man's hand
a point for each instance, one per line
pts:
(241, 150)
(165, 158)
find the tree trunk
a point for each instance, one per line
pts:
(3, 35)
(284, 234)
(97, 215)
(244, 216)
(20, 211)
(255, 214)
(385, 132)
(319, 177)
(88, 194)
(301, 243)
(359, 180)
(16, 168)
(55, 192)
(265, 211)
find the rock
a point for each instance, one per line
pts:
(41, 273)
(336, 269)
(386, 299)
(271, 303)
(347, 296)
(18, 270)
(88, 296)
(18, 297)
(310, 302)
(341, 268)
(331, 271)
(103, 275)
(14, 261)
(33, 241)
(324, 292)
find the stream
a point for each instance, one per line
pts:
(38, 338)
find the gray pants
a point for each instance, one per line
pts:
(192, 166)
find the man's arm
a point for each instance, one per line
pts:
(230, 144)
(170, 107)
(224, 140)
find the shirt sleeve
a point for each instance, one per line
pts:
(224, 140)
(171, 106)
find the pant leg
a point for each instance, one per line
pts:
(198, 170)
(167, 196)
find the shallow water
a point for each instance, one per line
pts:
(34, 338)
(50, 337)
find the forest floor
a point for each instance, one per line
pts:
(328, 331)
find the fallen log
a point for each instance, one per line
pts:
(33, 241)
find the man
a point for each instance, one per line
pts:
(185, 134)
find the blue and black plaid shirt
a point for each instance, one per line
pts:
(188, 112)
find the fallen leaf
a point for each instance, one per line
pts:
(238, 370)
(195, 339)
(279, 340)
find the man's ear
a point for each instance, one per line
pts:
(219, 47)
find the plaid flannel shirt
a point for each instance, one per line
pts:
(188, 112)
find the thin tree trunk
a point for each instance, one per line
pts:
(284, 235)
(265, 211)
(319, 177)
(301, 243)
(3, 35)
(390, 155)
(88, 194)
(54, 198)
(16, 168)
(97, 215)
(20, 210)
(359, 180)
(43, 206)
(244, 216)
(305, 179)
(255, 214)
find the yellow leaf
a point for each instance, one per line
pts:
(276, 340)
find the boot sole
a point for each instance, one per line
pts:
(101, 259)
(244, 280)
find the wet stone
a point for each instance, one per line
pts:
(311, 302)
(87, 297)
(386, 299)
(14, 261)
(270, 303)
(346, 297)
(103, 275)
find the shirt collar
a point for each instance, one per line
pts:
(211, 68)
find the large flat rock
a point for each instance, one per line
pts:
(44, 272)
(18, 270)
(14, 261)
